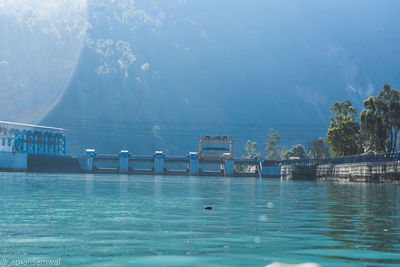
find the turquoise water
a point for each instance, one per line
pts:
(119, 220)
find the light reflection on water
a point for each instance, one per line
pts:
(154, 220)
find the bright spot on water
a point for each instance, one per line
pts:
(270, 205)
(40, 42)
(257, 240)
(263, 218)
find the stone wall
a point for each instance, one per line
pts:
(378, 172)
(293, 172)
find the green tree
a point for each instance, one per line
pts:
(271, 145)
(284, 152)
(373, 130)
(296, 151)
(380, 121)
(251, 150)
(319, 148)
(344, 131)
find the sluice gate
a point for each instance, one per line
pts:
(125, 163)
(190, 165)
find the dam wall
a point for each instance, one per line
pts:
(125, 163)
(52, 163)
(298, 172)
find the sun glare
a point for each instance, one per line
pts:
(37, 74)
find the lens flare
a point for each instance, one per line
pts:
(41, 41)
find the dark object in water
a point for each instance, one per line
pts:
(208, 208)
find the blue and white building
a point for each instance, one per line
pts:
(31, 139)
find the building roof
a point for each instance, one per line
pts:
(24, 126)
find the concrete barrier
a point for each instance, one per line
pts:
(13, 161)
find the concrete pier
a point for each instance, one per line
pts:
(194, 163)
(229, 167)
(86, 161)
(124, 161)
(159, 162)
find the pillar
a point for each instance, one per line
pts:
(45, 145)
(33, 144)
(65, 145)
(194, 163)
(55, 147)
(124, 161)
(159, 162)
(229, 167)
(86, 161)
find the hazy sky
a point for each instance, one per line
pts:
(158, 74)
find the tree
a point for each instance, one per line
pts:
(284, 152)
(296, 151)
(373, 130)
(319, 148)
(344, 131)
(251, 150)
(380, 121)
(271, 145)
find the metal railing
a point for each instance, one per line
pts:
(345, 160)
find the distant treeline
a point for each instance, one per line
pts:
(376, 132)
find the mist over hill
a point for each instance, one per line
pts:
(158, 74)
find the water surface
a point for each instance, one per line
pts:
(107, 220)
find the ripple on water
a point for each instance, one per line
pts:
(161, 221)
